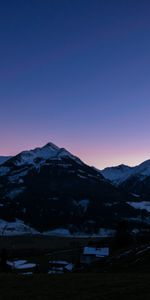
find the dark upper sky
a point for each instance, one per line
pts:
(77, 73)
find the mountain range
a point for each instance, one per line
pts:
(49, 187)
(135, 180)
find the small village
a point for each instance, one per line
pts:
(72, 255)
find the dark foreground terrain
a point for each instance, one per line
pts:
(122, 286)
(125, 276)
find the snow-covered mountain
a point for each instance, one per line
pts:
(49, 188)
(142, 170)
(121, 173)
(36, 158)
(40, 155)
(16, 227)
(117, 174)
(135, 180)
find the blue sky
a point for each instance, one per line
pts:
(76, 73)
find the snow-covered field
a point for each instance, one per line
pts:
(16, 228)
(141, 205)
(103, 232)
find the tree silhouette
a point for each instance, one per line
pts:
(123, 237)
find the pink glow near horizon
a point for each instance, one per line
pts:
(92, 154)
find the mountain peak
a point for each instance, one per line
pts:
(51, 145)
(47, 152)
(116, 174)
(122, 172)
(122, 166)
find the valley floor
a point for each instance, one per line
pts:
(119, 286)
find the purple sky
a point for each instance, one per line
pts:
(76, 73)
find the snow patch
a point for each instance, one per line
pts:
(135, 195)
(98, 252)
(81, 176)
(141, 205)
(16, 177)
(82, 203)
(16, 228)
(104, 232)
(14, 193)
(58, 232)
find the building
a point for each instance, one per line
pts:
(59, 267)
(92, 253)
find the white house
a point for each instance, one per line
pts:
(93, 253)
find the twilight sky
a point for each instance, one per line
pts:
(76, 73)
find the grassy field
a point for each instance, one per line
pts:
(75, 287)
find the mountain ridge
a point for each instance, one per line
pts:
(118, 174)
(4, 158)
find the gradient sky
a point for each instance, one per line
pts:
(76, 73)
